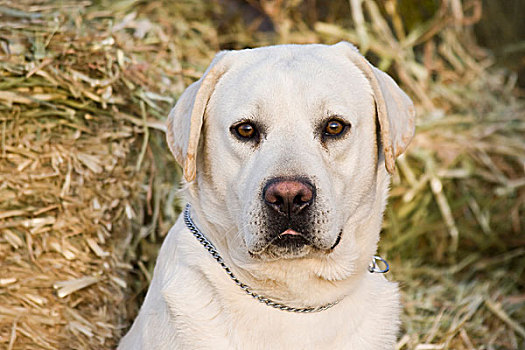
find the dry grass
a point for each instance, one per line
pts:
(86, 182)
(76, 99)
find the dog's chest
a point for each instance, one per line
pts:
(273, 329)
(243, 323)
(206, 310)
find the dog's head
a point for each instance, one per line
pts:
(289, 146)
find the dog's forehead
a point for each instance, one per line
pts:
(306, 63)
(292, 76)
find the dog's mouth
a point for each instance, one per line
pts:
(288, 240)
(291, 239)
(292, 244)
(337, 240)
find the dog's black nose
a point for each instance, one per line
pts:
(288, 196)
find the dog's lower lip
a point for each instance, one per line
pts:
(289, 240)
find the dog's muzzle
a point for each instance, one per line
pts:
(288, 202)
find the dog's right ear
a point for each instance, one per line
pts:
(186, 118)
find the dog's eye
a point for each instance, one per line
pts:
(245, 131)
(335, 127)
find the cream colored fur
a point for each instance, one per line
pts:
(290, 89)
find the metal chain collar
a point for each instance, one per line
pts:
(247, 289)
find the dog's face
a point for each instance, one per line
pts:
(297, 151)
(289, 147)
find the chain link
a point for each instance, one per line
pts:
(374, 267)
(247, 289)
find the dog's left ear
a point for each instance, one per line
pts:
(395, 110)
(186, 118)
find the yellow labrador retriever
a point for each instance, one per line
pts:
(286, 152)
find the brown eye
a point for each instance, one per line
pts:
(245, 131)
(335, 127)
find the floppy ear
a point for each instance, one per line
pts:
(186, 118)
(395, 110)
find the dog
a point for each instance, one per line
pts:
(287, 153)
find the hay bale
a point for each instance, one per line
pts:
(65, 193)
(79, 102)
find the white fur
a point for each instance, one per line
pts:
(290, 89)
